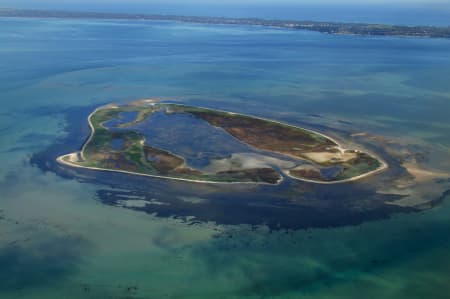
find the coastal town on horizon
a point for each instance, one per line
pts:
(340, 28)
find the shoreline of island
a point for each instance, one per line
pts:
(337, 28)
(60, 159)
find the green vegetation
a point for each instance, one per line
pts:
(360, 165)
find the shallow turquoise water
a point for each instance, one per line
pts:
(57, 240)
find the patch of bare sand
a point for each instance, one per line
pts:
(359, 134)
(138, 203)
(421, 175)
(108, 106)
(240, 161)
(322, 157)
(73, 157)
(420, 189)
(70, 158)
(142, 102)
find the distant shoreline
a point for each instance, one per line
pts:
(338, 28)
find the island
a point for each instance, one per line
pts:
(175, 141)
(323, 27)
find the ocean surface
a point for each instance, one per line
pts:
(59, 240)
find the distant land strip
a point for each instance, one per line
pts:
(323, 27)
